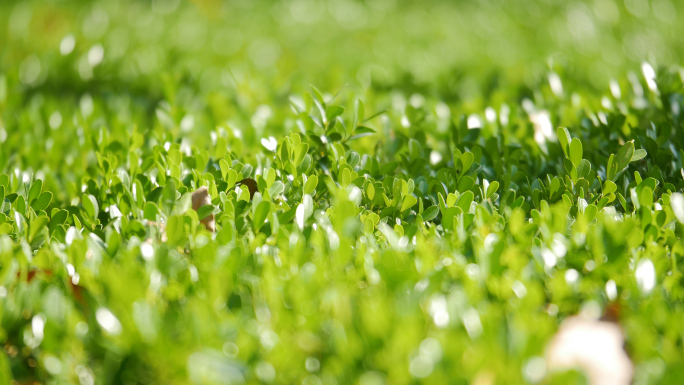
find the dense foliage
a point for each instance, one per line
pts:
(395, 231)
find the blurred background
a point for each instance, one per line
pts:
(456, 48)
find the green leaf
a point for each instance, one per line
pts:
(42, 202)
(35, 227)
(449, 215)
(358, 112)
(276, 189)
(611, 168)
(364, 130)
(430, 213)
(139, 194)
(465, 200)
(646, 197)
(225, 167)
(300, 152)
(205, 211)
(243, 193)
(151, 211)
(317, 96)
(333, 112)
(623, 202)
(35, 190)
(270, 177)
(491, 189)
(466, 183)
(590, 212)
(175, 229)
(624, 155)
(583, 169)
(175, 171)
(576, 152)
(174, 157)
(374, 116)
(451, 199)
(409, 201)
(564, 140)
(414, 149)
(232, 178)
(466, 160)
(260, 214)
(311, 184)
(360, 132)
(90, 205)
(183, 204)
(638, 155)
(285, 153)
(345, 177)
(59, 218)
(609, 187)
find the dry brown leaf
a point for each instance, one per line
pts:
(201, 198)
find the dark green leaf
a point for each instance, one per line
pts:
(42, 202)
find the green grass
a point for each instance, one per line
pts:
(467, 177)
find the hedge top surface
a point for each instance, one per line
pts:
(447, 251)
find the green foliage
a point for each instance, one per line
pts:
(382, 233)
(326, 225)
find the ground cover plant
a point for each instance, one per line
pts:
(178, 204)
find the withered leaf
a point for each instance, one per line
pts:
(201, 198)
